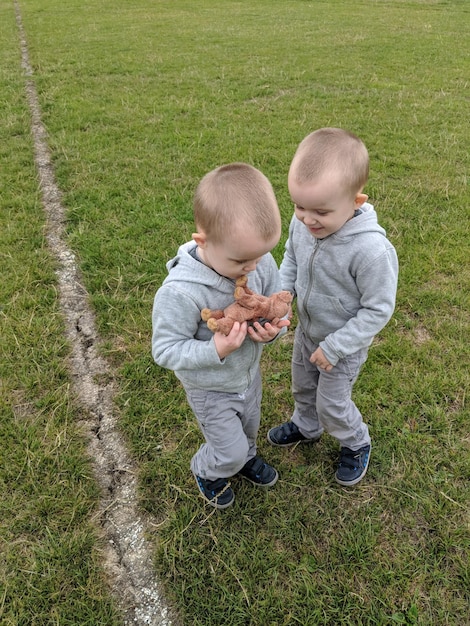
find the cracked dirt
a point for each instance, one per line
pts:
(127, 553)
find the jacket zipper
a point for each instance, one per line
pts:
(311, 263)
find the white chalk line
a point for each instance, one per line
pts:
(128, 555)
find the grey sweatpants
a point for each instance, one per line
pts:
(229, 423)
(323, 399)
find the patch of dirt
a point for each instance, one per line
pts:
(127, 554)
(422, 335)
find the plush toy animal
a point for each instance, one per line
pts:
(248, 307)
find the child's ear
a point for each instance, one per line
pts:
(360, 199)
(200, 239)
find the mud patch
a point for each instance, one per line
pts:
(128, 555)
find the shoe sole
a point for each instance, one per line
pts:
(351, 483)
(273, 482)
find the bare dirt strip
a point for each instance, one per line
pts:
(127, 554)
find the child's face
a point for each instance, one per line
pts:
(238, 255)
(323, 205)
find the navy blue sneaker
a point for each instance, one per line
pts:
(258, 472)
(286, 435)
(353, 465)
(217, 493)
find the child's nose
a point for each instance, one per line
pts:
(310, 220)
(249, 267)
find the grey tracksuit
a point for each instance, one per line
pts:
(224, 394)
(345, 286)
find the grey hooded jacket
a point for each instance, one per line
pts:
(182, 342)
(345, 284)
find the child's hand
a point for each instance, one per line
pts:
(225, 345)
(318, 358)
(265, 333)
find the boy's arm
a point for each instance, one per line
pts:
(175, 322)
(378, 285)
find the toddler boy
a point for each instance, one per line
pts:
(238, 223)
(343, 271)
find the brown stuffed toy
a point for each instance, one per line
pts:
(248, 307)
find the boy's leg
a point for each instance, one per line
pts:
(250, 414)
(305, 378)
(337, 412)
(227, 445)
(343, 420)
(255, 469)
(304, 424)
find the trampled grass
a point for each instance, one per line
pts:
(141, 99)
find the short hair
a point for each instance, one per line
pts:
(236, 194)
(332, 150)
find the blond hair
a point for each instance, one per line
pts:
(236, 195)
(335, 151)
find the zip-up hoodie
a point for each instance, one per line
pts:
(345, 284)
(182, 342)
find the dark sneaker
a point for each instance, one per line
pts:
(286, 435)
(259, 472)
(353, 465)
(217, 493)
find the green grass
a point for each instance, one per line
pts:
(50, 570)
(140, 100)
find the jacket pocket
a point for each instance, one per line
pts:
(326, 314)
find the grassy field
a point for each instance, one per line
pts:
(50, 571)
(140, 99)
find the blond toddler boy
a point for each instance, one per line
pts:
(238, 223)
(343, 271)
